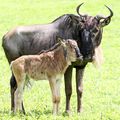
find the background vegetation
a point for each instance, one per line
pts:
(101, 98)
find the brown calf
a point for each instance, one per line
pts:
(50, 65)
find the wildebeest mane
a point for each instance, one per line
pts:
(66, 18)
(70, 24)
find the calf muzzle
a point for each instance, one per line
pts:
(78, 54)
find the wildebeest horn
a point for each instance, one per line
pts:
(111, 12)
(77, 9)
(106, 20)
(99, 17)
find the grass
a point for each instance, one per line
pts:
(101, 98)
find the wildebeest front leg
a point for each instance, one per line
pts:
(13, 87)
(68, 87)
(79, 86)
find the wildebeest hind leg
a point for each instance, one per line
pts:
(13, 87)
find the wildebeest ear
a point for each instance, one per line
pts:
(105, 22)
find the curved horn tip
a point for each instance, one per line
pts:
(109, 10)
(78, 7)
(80, 4)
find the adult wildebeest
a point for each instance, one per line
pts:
(86, 30)
(49, 65)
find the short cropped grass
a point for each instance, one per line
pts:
(101, 97)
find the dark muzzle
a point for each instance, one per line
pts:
(88, 56)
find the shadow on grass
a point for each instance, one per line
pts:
(33, 113)
(45, 112)
(10, 113)
(36, 112)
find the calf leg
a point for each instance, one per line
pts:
(79, 86)
(55, 88)
(18, 96)
(68, 87)
(58, 82)
(13, 87)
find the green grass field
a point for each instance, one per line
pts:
(101, 97)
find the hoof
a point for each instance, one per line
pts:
(79, 111)
(67, 113)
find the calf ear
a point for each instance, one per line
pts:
(60, 40)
